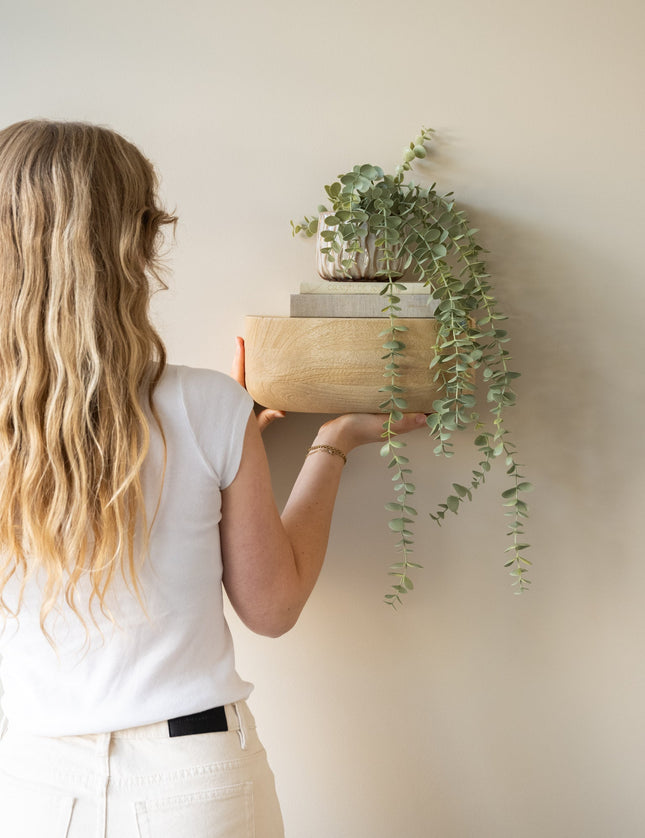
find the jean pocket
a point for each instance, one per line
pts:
(31, 810)
(225, 812)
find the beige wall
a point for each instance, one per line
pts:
(471, 713)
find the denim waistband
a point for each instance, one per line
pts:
(238, 716)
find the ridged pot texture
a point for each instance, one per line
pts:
(365, 265)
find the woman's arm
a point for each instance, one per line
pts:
(272, 562)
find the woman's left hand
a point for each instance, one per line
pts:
(265, 417)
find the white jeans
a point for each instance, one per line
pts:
(139, 783)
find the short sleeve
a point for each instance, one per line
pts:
(218, 410)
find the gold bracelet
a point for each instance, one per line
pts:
(329, 448)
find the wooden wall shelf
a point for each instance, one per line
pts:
(333, 365)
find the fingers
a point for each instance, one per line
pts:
(266, 417)
(237, 368)
(353, 429)
(410, 422)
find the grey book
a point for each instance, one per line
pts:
(359, 305)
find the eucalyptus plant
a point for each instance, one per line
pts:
(441, 250)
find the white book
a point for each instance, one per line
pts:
(325, 286)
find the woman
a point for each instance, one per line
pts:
(130, 490)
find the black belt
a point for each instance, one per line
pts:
(208, 721)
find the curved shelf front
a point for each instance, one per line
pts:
(335, 365)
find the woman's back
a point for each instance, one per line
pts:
(79, 228)
(133, 666)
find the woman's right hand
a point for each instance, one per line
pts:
(271, 562)
(353, 429)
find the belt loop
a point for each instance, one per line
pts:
(242, 729)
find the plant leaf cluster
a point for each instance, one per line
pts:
(440, 249)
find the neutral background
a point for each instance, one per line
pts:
(470, 713)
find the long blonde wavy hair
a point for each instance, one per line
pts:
(80, 225)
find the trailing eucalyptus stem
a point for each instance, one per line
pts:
(395, 403)
(417, 230)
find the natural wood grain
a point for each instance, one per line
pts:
(334, 365)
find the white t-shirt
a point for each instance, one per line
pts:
(177, 658)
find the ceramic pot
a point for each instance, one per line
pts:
(365, 264)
